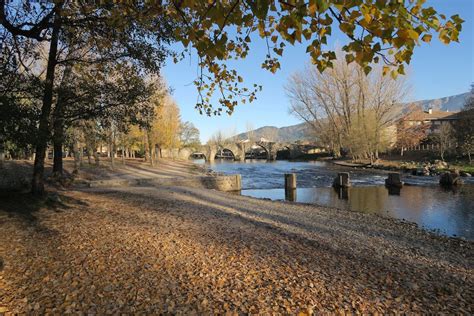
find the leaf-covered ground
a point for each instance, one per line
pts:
(177, 250)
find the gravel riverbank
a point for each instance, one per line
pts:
(185, 251)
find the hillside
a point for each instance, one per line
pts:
(299, 131)
(283, 134)
(452, 103)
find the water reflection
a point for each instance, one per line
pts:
(452, 213)
(394, 190)
(342, 192)
(290, 195)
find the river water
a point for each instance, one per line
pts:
(421, 200)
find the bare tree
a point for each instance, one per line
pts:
(250, 132)
(444, 138)
(346, 108)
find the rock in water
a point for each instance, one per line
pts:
(449, 179)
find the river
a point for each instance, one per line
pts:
(421, 201)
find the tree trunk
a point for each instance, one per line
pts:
(112, 145)
(112, 158)
(112, 155)
(58, 125)
(37, 184)
(150, 150)
(75, 152)
(96, 158)
(77, 157)
(469, 156)
(152, 154)
(89, 156)
(145, 143)
(123, 155)
(2, 152)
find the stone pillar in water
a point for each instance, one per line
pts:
(290, 187)
(342, 180)
(238, 182)
(394, 180)
(290, 181)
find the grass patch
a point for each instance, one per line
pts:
(465, 168)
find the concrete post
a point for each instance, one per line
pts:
(290, 181)
(342, 180)
(238, 182)
(394, 180)
(290, 187)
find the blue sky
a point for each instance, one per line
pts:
(436, 70)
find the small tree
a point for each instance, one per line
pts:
(250, 132)
(409, 135)
(444, 137)
(164, 128)
(346, 107)
(189, 135)
(464, 133)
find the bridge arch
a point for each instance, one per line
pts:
(223, 152)
(197, 155)
(254, 151)
(283, 152)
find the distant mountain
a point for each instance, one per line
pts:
(453, 103)
(283, 134)
(301, 131)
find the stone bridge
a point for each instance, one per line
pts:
(239, 149)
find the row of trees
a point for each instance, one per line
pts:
(65, 62)
(142, 126)
(77, 76)
(163, 130)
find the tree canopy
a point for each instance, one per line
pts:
(385, 31)
(377, 31)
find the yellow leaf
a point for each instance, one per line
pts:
(427, 38)
(413, 34)
(394, 74)
(367, 17)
